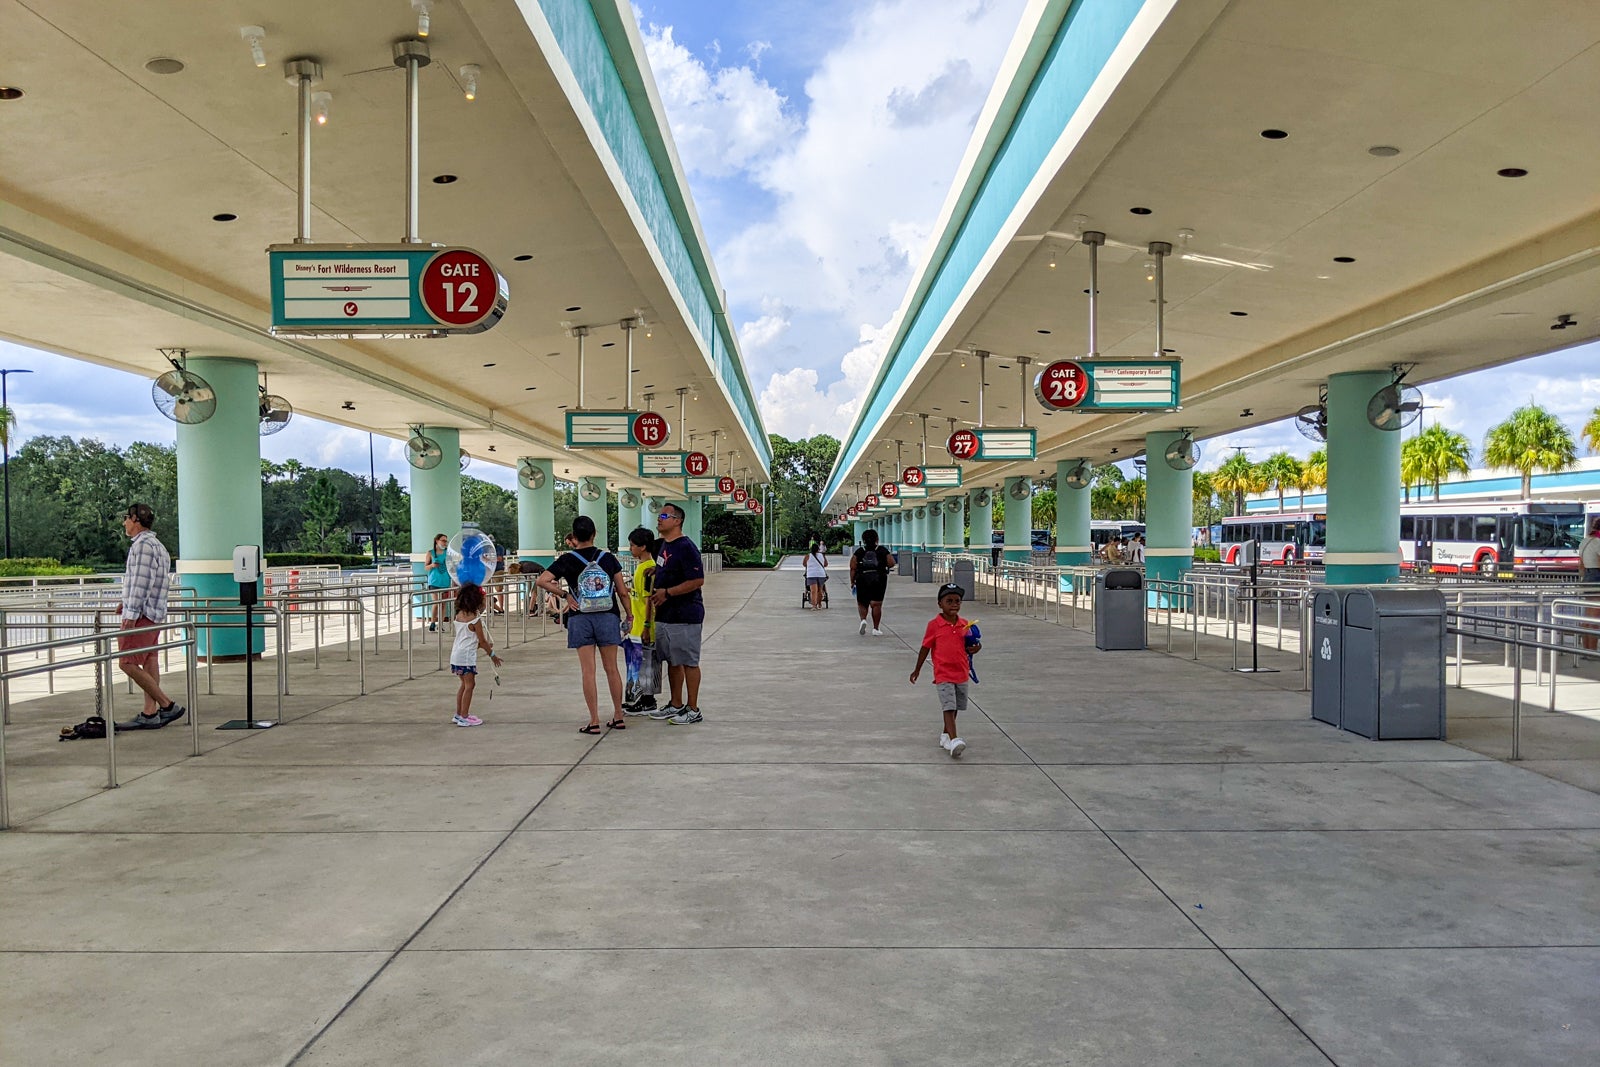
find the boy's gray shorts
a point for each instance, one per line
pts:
(952, 696)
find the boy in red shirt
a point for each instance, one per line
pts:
(946, 638)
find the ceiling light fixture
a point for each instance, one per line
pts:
(164, 65)
(11, 92)
(445, 179)
(253, 36)
(469, 80)
(1053, 257)
(1140, 211)
(1512, 172)
(1239, 314)
(574, 308)
(1383, 151)
(321, 104)
(224, 216)
(522, 258)
(1149, 270)
(424, 9)
(1274, 135)
(1344, 259)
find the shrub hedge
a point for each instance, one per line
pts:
(37, 567)
(315, 559)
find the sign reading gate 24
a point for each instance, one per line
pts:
(393, 290)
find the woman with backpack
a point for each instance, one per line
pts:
(597, 612)
(869, 577)
(816, 575)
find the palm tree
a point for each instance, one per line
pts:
(1530, 440)
(1313, 474)
(1410, 468)
(1204, 488)
(8, 422)
(1280, 471)
(1440, 452)
(1236, 477)
(1591, 431)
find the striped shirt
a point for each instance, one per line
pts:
(144, 583)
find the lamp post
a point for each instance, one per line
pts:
(6, 445)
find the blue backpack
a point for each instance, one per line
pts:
(594, 587)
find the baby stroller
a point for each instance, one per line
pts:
(805, 594)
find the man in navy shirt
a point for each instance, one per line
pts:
(680, 613)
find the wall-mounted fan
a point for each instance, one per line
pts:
(1395, 406)
(273, 411)
(629, 498)
(423, 452)
(530, 475)
(982, 498)
(935, 509)
(1183, 454)
(590, 489)
(466, 460)
(1312, 420)
(1080, 476)
(182, 395)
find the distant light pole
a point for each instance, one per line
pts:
(6, 445)
(377, 522)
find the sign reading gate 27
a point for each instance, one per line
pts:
(390, 290)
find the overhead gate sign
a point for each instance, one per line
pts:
(1090, 386)
(403, 290)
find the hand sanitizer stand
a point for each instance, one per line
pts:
(247, 572)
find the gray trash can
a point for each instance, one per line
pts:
(922, 567)
(1119, 610)
(1327, 654)
(906, 561)
(962, 574)
(1392, 675)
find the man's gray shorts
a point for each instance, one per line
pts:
(952, 696)
(678, 643)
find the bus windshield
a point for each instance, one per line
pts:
(1563, 530)
(1318, 534)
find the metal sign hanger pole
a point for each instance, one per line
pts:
(304, 72)
(580, 332)
(1094, 239)
(1159, 251)
(628, 326)
(683, 413)
(1022, 403)
(983, 381)
(412, 55)
(924, 440)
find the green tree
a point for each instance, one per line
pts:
(1313, 474)
(1204, 491)
(1591, 431)
(1236, 477)
(1531, 439)
(1131, 500)
(1281, 472)
(494, 509)
(319, 532)
(1044, 509)
(1439, 453)
(394, 511)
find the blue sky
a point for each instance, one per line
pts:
(820, 139)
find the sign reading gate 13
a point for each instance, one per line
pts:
(390, 290)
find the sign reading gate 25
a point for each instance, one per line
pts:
(388, 290)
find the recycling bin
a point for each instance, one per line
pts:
(922, 567)
(1119, 610)
(1392, 669)
(1327, 654)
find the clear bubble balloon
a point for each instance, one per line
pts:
(471, 556)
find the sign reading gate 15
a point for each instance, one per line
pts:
(389, 290)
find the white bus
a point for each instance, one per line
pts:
(1290, 537)
(1486, 538)
(1101, 531)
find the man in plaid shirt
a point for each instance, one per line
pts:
(144, 604)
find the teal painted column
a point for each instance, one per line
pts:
(913, 535)
(954, 519)
(629, 519)
(1073, 546)
(435, 502)
(1019, 522)
(1168, 511)
(980, 522)
(855, 525)
(595, 509)
(1363, 471)
(536, 517)
(924, 528)
(935, 526)
(693, 513)
(219, 495)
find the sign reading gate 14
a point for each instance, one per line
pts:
(389, 290)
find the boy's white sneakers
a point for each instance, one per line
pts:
(956, 747)
(877, 633)
(944, 741)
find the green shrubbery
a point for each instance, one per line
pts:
(316, 559)
(1207, 555)
(37, 567)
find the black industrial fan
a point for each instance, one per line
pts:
(182, 395)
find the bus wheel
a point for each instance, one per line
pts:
(1487, 565)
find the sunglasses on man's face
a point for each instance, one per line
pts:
(666, 516)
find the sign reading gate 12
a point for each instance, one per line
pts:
(402, 290)
(1108, 385)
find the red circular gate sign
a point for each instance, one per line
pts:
(724, 486)
(649, 429)
(891, 490)
(459, 287)
(912, 476)
(696, 463)
(1063, 384)
(752, 504)
(872, 500)
(740, 496)
(963, 444)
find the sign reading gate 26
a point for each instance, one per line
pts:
(393, 290)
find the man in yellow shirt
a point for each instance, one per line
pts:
(643, 673)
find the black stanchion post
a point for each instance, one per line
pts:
(1255, 613)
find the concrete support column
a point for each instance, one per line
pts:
(1363, 470)
(954, 519)
(1019, 522)
(935, 526)
(536, 517)
(435, 502)
(1168, 512)
(595, 509)
(693, 511)
(980, 524)
(219, 495)
(629, 519)
(1073, 546)
(857, 527)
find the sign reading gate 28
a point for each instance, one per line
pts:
(1108, 385)
(394, 290)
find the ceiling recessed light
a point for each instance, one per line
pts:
(1512, 172)
(11, 92)
(966, 401)
(938, 409)
(225, 216)
(552, 355)
(1274, 135)
(1003, 366)
(1169, 350)
(164, 65)
(1239, 314)
(648, 387)
(488, 364)
(1139, 211)
(609, 344)
(522, 258)
(1041, 331)
(574, 308)
(445, 179)
(1344, 259)
(529, 388)
(1383, 151)
(561, 406)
